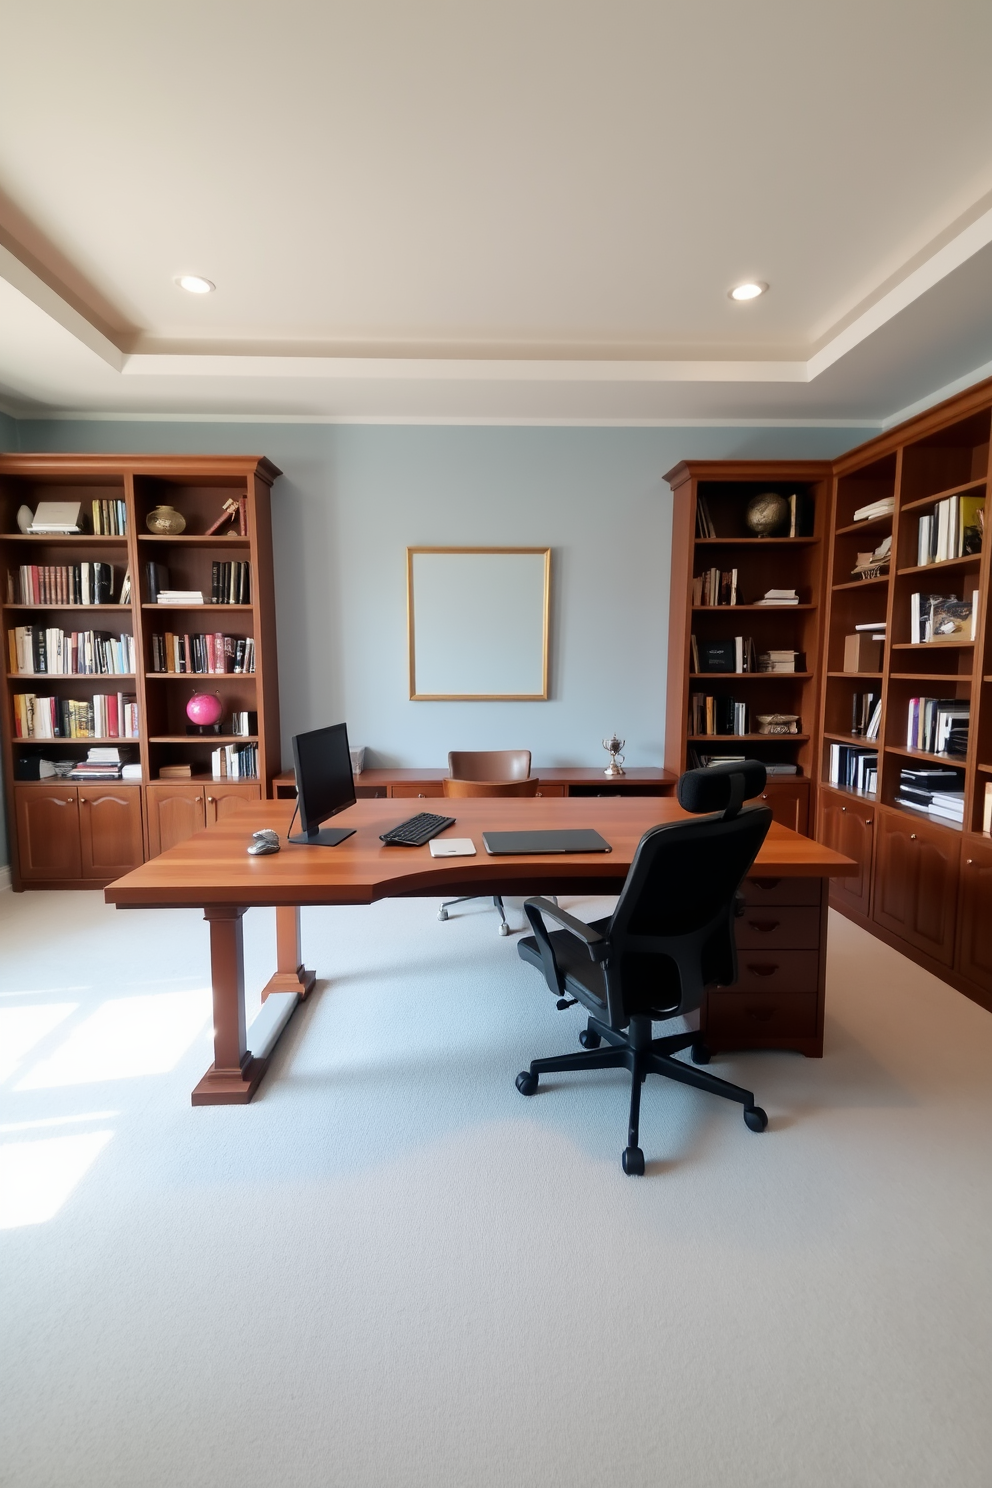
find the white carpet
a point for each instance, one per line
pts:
(393, 1271)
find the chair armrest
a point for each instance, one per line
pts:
(595, 944)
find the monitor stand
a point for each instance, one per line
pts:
(326, 837)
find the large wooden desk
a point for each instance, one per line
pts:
(777, 1003)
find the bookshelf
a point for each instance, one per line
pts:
(784, 562)
(68, 833)
(924, 879)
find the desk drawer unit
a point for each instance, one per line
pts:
(777, 1000)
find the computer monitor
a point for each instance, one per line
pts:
(324, 783)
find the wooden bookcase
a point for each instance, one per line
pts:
(924, 886)
(65, 834)
(762, 563)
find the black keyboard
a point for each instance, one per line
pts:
(417, 831)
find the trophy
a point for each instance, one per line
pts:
(614, 745)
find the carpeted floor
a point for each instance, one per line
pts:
(392, 1271)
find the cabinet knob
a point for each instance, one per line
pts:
(869, 821)
(912, 836)
(539, 793)
(764, 798)
(421, 796)
(210, 800)
(969, 861)
(843, 808)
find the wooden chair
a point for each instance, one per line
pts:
(488, 772)
(489, 764)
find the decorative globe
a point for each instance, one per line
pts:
(204, 709)
(766, 513)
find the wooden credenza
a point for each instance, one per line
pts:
(420, 783)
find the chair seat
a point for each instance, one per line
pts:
(583, 978)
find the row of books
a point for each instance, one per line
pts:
(942, 617)
(103, 716)
(104, 763)
(880, 508)
(80, 653)
(211, 653)
(853, 767)
(62, 584)
(954, 527)
(230, 583)
(938, 725)
(716, 715)
(938, 793)
(866, 714)
(244, 722)
(734, 655)
(712, 587)
(109, 517)
(234, 762)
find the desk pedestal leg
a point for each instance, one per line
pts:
(291, 975)
(233, 1077)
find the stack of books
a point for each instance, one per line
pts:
(175, 772)
(881, 508)
(779, 597)
(955, 527)
(712, 587)
(61, 584)
(782, 661)
(716, 715)
(938, 725)
(235, 762)
(935, 792)
(101, 763)
(47, 649)
(854, 768)
(179, 597)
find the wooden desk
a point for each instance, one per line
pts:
(778, 1002)
(645, 780)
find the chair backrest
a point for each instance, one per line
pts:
(671, 934)
(489, 764)
(492, 787)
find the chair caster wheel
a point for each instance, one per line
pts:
(633, 1162)
(526, 1082)
(442, 914)
(699, 1053)
(589, 1039)
(504, 928)
(755, 1119)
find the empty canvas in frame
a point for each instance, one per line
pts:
(478, 623)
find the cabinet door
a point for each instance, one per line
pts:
(789, 801)
(225, 796)
(847, 824)
(109, 830)
(175, 812)
(974, 958)
(47, 831)
(916, 881)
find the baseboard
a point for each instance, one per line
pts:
(5, 877)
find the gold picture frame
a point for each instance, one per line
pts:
(478, 622)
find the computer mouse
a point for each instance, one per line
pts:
(265, 845)
(267, 834)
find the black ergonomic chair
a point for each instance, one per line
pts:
(670, 937)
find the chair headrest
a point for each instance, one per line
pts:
(721, 787)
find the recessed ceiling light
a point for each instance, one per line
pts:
(749, 291)
(195, 284)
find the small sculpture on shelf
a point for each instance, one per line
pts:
(614, 745)
(767, 513)
(165, 521)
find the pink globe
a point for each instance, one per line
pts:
(204, 709)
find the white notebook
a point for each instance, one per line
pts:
(452, 847)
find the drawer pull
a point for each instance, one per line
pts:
(760, 1015)
(764, 926)
(762, 968)
(912, 836)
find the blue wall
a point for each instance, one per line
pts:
(353, 497)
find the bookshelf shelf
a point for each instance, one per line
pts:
(756, 542)
(750, 738)
(857, 676)
(861, 583)
(930, 645)
(157, 813)
(964, 562)
(944, 677)
(923, 501)
(870, 524)
(985, 769)
(750, 677)
(858, 739)
(952, 761)
(759, 609)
